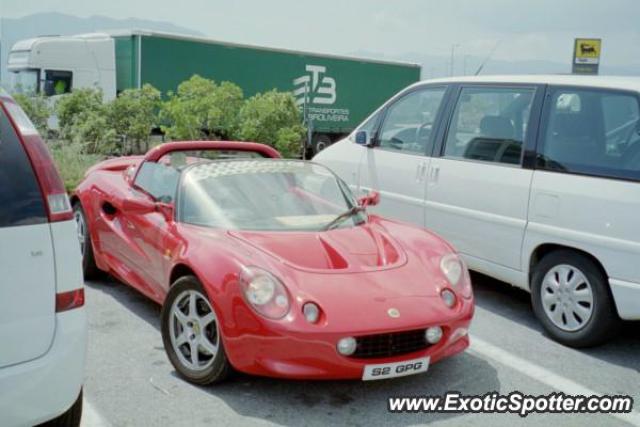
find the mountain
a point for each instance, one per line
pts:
(434, 66)
(14, 29)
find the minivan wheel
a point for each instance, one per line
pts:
(89, 267)
(71, 418)
(191, 334)
(571, 298)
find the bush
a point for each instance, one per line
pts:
(202, 109)
(273, 118)
(72, 162)
(93, 131)
(199, 109)
(133, 115)
(37, 109)
(72, 108)
(83, 119)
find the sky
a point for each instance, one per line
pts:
(523, 30)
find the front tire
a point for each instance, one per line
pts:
(570, 296)
(191, 334)
(71, 418)
(89, 267)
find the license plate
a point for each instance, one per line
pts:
(396, 369)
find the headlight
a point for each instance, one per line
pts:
(264, 292)
(455, 270)
(452, 268)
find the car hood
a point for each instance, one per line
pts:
(356, 249)
(357, 263)
(355, 274)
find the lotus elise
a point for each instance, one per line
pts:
(271, 266)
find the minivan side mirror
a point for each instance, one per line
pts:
(363, 138)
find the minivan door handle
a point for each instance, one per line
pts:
(434, 175)
(421, 170)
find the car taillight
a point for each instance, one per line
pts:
(56, 199)
(66, 301)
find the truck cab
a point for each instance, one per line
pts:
(54, 65)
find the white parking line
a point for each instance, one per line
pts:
(91, 417)
(538, 373)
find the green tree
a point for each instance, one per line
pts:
(273, 118)
(74, 108)
(83, 118)
(202, 109)
(37, 110)
(133, 114)
(94, 132)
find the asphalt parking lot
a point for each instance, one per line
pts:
(130, 382)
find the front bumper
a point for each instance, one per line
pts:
(309, 354)
(44, 388)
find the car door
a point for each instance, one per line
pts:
(478, 190)
(149, 231)
(586, 187)
(397, 163)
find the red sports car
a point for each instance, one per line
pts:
(270, 266)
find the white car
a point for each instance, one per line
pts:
(534, 179)
(42, 317)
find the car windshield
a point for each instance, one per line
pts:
(265, 195)
(25, 81)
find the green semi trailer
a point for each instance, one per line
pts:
(335, 92)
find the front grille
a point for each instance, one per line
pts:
(393, 344)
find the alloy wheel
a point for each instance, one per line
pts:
(193, 330)
(81, 228)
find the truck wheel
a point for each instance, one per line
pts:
(571, 298)
(320, 142)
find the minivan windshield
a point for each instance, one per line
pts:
(265, 195)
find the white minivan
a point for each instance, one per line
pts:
(534, 179)
(43, 330)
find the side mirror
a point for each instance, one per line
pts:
(362, 138)
(138, 206)
(371, 199)
(166, 209)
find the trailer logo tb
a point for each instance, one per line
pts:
(315, 87)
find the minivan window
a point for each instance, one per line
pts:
(409, 121)
(597, 133)
(489, 124)
(21, 201)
